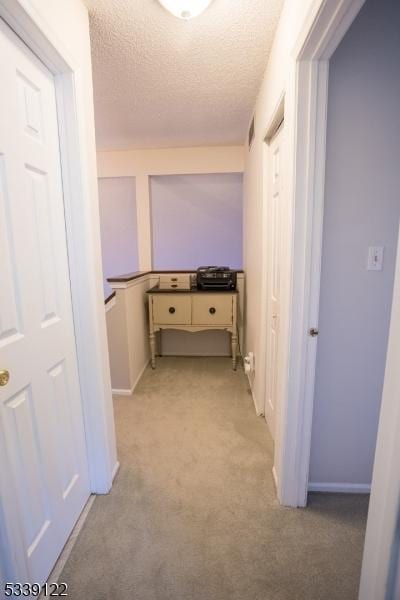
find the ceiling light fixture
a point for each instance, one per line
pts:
(185, 9)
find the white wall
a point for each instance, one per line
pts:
(362, 208)
(127, 327)
(170, 161)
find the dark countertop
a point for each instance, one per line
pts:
(131, 276)
(193, 290)
(127, 277)
(110, 297)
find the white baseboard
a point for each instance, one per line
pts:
(142, 370)
(275, 476)
(115, 470)
(127, 392)
(342, 488)
(110, 304)
(259, 412)
(121, 392)
(66, 551)
(196, 355)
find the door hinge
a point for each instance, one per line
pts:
(313, 332)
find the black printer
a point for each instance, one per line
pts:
(216, 278)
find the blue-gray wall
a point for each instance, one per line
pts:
(118, 223)
(362, 208)
(197, 220)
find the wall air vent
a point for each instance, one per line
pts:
(251, 132)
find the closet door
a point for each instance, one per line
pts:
(43, 459)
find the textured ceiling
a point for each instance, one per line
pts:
(160, 81)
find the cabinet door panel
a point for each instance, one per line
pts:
(212, 309)
(169, 309)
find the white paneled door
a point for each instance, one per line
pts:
(275, 214)
(44, 474)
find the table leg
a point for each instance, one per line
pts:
(234, 349)
(152, 338)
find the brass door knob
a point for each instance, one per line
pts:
(4, 377)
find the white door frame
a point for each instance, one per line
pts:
(82, 241)
(327, 23)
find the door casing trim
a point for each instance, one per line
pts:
(275, 123)
(306, 119)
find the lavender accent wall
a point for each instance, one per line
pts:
(197, 220)
(118, 223)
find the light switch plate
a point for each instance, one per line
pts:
(375, 258)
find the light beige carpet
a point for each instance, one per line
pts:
(193, 514)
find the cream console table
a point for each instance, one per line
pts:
(192, 310)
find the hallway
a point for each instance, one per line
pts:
(193, 513)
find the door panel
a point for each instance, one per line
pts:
(38, 197)
(66, 456)
(275, 213)
(30, 107)
(22, 438)
(10, 317)
(41, 420)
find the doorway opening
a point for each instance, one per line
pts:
(306, 187)
(359, 242)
